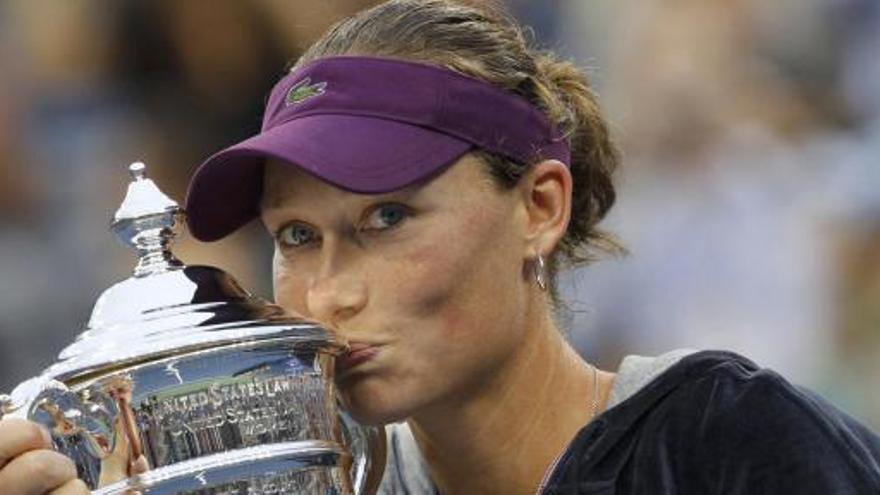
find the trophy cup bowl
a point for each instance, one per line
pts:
(184, 383)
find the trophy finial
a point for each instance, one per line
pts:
(138, 170)
(147, 221)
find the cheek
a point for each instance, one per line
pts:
(428, 279)
(459, 284)
(289, 290)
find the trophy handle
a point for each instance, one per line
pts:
(15, 404)
(372, 477)
(368, 448)
(7, 406)
(67, 415)
(100, 422)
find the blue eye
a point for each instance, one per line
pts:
(296, 235)
(386, 216)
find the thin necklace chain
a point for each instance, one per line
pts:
(595, 402)
(594, 408)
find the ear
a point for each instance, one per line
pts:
(546, 195)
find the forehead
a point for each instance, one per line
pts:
(282, 181)
(285, 184)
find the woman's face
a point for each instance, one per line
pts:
(426, 283)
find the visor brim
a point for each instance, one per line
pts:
(366, 155)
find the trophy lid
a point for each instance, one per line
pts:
(167, 308)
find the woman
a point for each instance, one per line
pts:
(424, 175)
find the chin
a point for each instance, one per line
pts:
(373, 418)
(369, 406)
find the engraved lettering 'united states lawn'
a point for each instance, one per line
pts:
(241, 412)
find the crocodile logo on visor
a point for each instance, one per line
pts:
(303, 90)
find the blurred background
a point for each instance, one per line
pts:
(749, 197)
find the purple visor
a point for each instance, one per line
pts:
(368, 125)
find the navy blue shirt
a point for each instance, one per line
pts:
(716, 423)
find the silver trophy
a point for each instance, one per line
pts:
(184, 383)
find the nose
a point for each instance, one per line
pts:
(335, 296)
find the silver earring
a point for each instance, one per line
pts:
(541, 272)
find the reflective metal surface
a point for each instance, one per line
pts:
(183, 382)
(308, 467)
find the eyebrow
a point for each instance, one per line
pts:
(273, 204)
(403, 194)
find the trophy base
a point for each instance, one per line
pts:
(294, 467)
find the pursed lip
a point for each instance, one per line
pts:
(358, 353)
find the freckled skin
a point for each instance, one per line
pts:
(430, 290)
(467, 352)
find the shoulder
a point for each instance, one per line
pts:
(635, 372)
(749, 426)
(715, 421)
(727, 392)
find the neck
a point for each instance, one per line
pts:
(504, 437)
